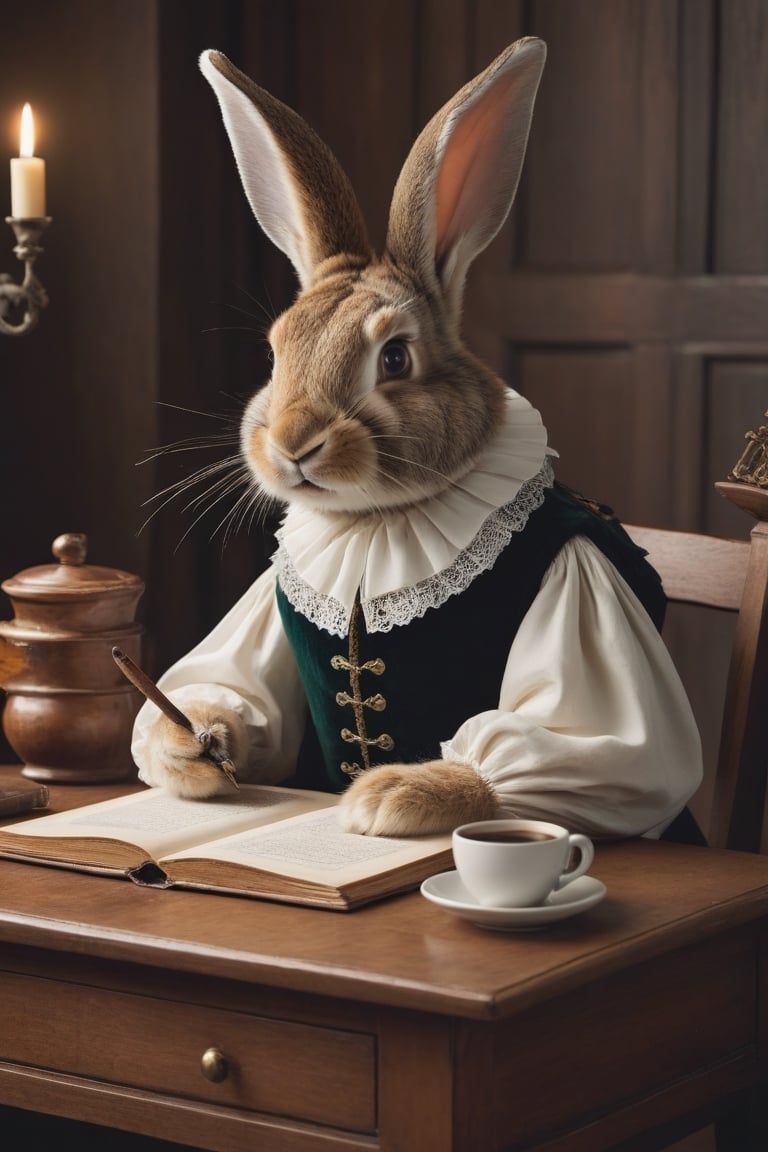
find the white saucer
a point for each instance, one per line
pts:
(447, 890)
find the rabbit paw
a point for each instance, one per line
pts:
(416, 799)
(177, 760)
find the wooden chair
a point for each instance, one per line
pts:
(730, 575)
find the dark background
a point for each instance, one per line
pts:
(628, 296)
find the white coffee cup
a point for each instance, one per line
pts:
(518, 863)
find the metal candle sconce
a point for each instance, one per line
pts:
(30, 294)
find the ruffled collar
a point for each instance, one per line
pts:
(405, 560)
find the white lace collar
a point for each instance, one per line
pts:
(406, 560)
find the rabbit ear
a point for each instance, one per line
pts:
(298, 192)
(460, 178)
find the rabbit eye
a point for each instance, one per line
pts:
(395, 360)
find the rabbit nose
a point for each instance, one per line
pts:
(298, 454)
(298, 432)
(304, 462)
(307, 455)
(294, 460)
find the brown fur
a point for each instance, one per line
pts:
(333, 430)
(175, 752)
(417, 799)
(394, 445)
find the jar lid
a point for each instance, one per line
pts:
(71, 578)
(72, 596)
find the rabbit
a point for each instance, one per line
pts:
(429, 564)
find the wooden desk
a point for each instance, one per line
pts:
(393, 1027)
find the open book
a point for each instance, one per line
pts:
(277, 843)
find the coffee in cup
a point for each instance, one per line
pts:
(518, 863)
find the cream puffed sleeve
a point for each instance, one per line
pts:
(593, 728)
(245, 663)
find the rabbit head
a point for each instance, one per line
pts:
(373, 400)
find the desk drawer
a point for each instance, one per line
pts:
(284, 1068)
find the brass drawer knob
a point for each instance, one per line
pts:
(213, 1065)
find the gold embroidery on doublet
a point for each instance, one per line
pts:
(355, 699)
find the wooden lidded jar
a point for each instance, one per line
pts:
(69, 710)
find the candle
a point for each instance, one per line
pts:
(27, 173)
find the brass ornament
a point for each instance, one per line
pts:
(213, 1065)
(752, 465)
(354, 699)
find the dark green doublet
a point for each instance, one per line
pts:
(393, 697)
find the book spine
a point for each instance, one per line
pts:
(16, 800)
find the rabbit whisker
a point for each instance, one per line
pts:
(190, 445)
(268, 313)
(221, 487)
(231, 518)
(226, 489)
(392, 436)
(196, 477)
(233, 328)
(246, 503)
(414, 464)
(253, 504)
(374, 505)
(236, 473)
(194, 411)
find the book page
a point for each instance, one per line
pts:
(160, 823)
(313, 846)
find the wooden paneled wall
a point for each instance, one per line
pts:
(633, 309)
(627, 296)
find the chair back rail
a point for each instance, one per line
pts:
(696, 569)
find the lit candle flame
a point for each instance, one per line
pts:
(27, 147)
